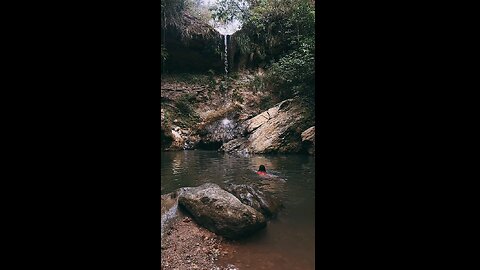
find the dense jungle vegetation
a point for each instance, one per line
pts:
(277, 37)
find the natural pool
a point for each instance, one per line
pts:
(288, 242)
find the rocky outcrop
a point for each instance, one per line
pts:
(308, 140)
(177, 142)
(212, 113)
(277, 130)
(221, 212)
(259, 120)
(213, 135)
(175, 138)
(166, 136)
(256, 198)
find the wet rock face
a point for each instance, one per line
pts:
(175, 138)
(235, 146)
(308, 140)
(215, 134)
(221, 212)
(254, 197)
(277, 130)
(178, 142)
(261, 119)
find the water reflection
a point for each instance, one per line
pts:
(288, 241)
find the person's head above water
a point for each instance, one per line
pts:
(262, 169)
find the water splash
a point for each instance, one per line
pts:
(225, 122)
(223, 130)
(227, 28)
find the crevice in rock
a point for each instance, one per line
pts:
(209, 145)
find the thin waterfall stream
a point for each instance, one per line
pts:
(223, 126)
(226, 54)
(228, 28)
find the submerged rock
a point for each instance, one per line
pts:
(221, 212)
(235, 145)
(256, 198)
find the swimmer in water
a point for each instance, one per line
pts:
(262, 170)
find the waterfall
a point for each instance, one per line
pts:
(226, 55)
(227, 28)
(223, 130)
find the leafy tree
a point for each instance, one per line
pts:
(228, 10)
(281, 34)
(294, 73)
(186, 17)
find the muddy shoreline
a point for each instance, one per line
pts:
(186, 245)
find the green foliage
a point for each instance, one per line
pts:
(234, 75)
(236, 96)
(243, 42)
(266, 102)
(294, 73)
(186, 16)
(277, 26)
(282, 33)
(186, 111)
(227, 10)
(258, 84)
(211, 79)
(223, 87)
(277, 34)
(184, 105)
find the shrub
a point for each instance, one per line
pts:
(294, 73)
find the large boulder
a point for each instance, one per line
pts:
(261, 119)
(276, 130)
(221, 212)
(252, 196)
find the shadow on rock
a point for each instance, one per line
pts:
(221, 212)
(251, 195)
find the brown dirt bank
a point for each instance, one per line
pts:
(187, 246)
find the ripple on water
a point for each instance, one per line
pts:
(288, 240)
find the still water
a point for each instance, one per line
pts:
(288, 242)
